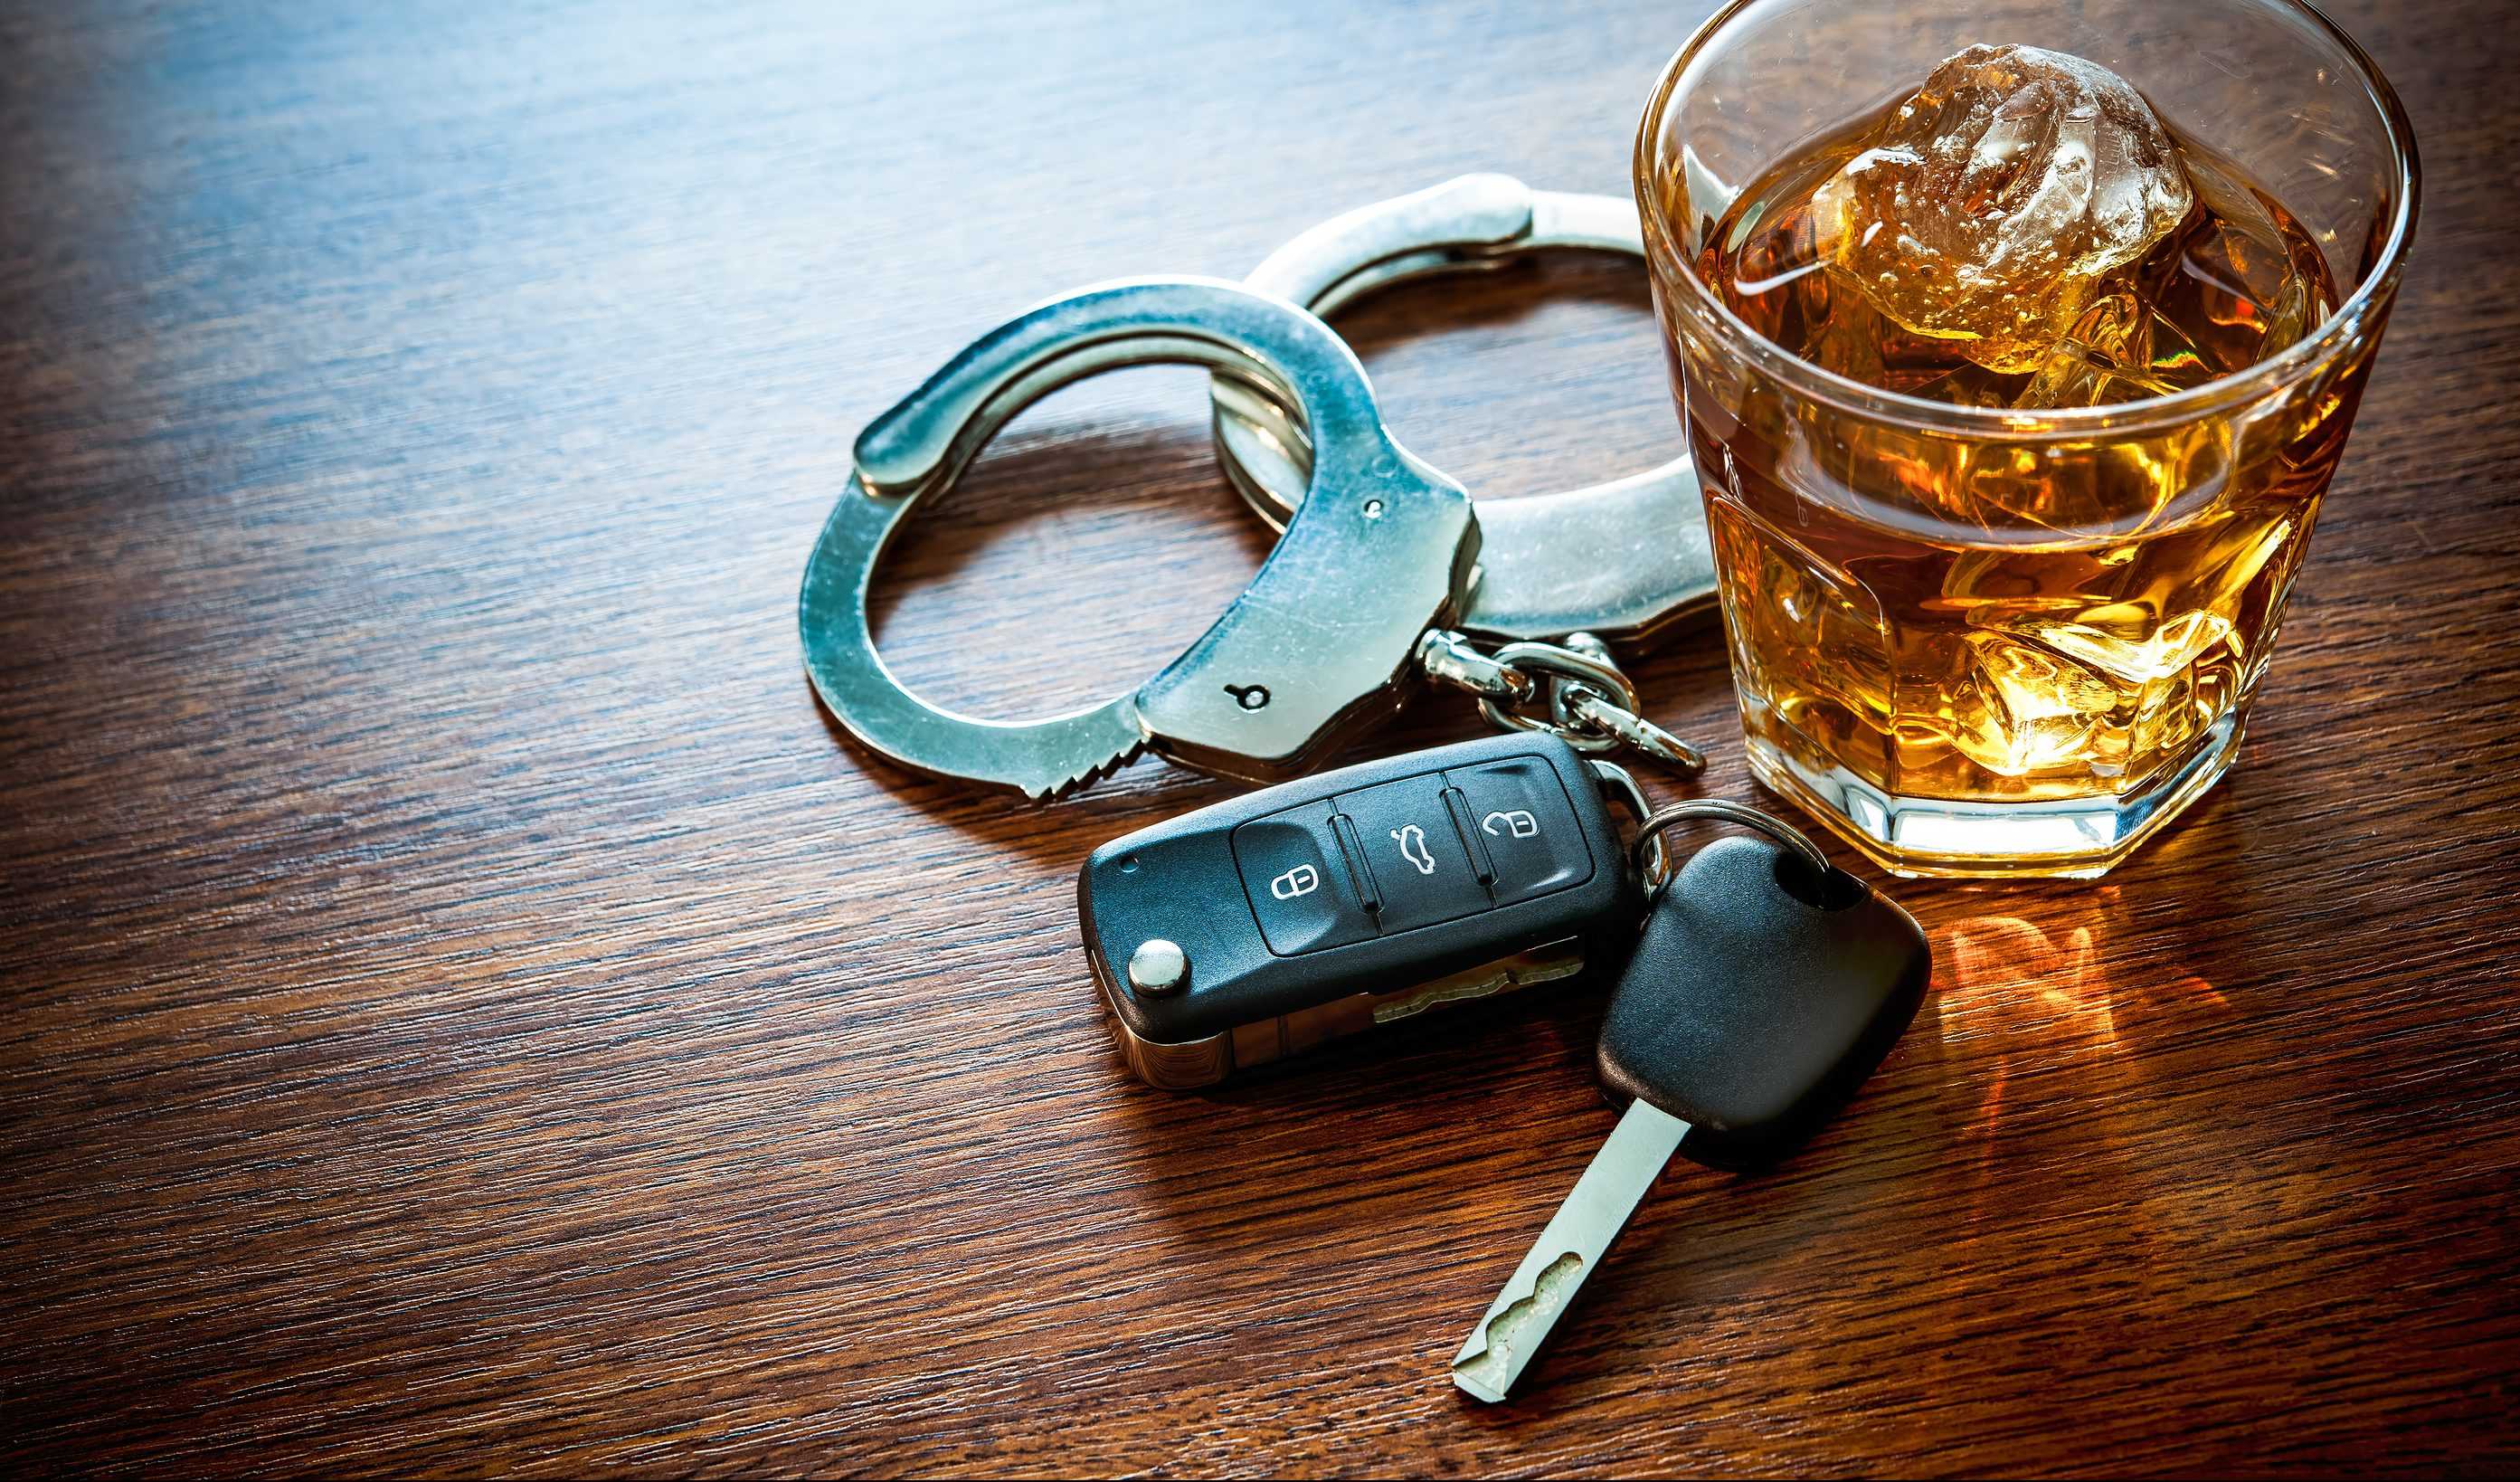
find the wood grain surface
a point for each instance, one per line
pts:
(468, 1011)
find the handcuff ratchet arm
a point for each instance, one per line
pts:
(1304, 655)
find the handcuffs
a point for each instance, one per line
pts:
(1383, 573)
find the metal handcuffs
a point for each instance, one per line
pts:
(1381, 572)
(1618, 560)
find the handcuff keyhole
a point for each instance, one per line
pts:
(1249, 696)
(1373, 509)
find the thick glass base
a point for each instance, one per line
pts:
(2068, 839)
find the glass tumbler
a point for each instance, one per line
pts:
(1985, 642)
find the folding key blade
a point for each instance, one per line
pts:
(1519, 1320)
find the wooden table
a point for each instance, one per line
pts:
(468, 1011)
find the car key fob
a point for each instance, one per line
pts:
(1260, 927)
(1767, 985)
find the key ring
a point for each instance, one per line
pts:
(1654, 856)
(1593, 706)
(1650, 832)
(1622, 559)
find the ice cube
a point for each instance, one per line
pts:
(2018, 709)
(2166, 673)
(2253, 298)
(2121, 349)
(2133, 660)
(2085, 368)
(1989, 209)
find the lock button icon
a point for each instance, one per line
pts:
(1290, 867)
(1296, 883)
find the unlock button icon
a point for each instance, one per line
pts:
(1517, 822)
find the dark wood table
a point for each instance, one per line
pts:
(468, 1011)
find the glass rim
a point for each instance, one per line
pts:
(2293, 363)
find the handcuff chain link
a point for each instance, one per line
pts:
(1589, 703)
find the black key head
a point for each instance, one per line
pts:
(1759, 998)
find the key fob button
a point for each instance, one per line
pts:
(1297, 881)
(1525, 823)
(1420, 866)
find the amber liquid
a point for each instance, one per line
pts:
(1933, 616)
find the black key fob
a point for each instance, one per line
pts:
(1773, 991)
(1766, 987)
(1260, 927)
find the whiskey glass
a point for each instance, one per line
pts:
(1985, 642)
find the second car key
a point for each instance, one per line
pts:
(1261, 926)
(1765, 989)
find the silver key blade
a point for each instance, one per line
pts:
(1520, 1317)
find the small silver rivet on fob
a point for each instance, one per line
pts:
(1157, 967)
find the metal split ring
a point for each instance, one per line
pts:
(1649, 832)
(1654, 856)
(1592, 706)
(1623, 560)
(1565, 663)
